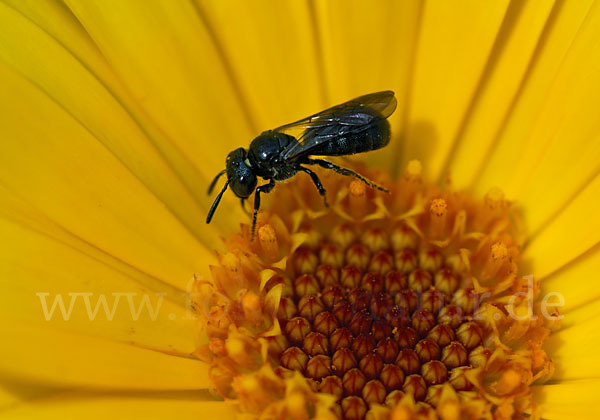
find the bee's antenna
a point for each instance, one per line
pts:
(214, 181)
(217, 200)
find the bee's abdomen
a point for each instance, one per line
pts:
(373, 138)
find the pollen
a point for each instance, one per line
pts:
(380, 306)
(438, 207)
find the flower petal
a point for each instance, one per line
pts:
(365, 49)
(572, 348)
(270, 49)
(574, 231)
(166, 57)
(7, 399)
(186, 405)
(506, 71)
(576, 282)
(63, 69)
(108, 208)
(102, 298)
(553, 127)
(46, 356)
(454, 44)
(568, 400)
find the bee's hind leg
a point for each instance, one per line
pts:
(344, 171)
(317, 182)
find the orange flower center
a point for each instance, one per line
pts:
(388, 305)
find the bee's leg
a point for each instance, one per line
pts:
(317, 182)
(267, 188)
(344, 171)
(243, 203)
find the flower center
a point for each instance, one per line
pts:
(381, 304)
(371, 315)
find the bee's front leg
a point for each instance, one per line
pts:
(267, 188)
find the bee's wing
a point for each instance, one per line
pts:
(348, 118)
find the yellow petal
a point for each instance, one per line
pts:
(568, 400)
(63, 74)
(7, 399)
(573, 347)
(47, 357)
(166, 57)
(50, 283)
(146, 405)
(588, 312)
(574, 231)
(270, 50)
(101, 296)
(454, 44)
(169, 61)
(576, 282)
(365, 49)
(549, 149)
(13, 394)
(505, 73)
(61, 170)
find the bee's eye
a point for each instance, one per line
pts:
(242, 180)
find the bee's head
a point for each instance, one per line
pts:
(239, 173)
(240, 179)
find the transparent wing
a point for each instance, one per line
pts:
(345, 119)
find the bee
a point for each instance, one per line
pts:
(357, 126)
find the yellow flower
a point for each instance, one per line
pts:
(115, 115)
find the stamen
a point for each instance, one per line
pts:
(243, 353)
(494, 205)
(497, 257)
(217, 346)
(413, 171)
(252, 307)
(408, 187)
(357, 197)
(438, 211)
(268, 241)
(509, 380)
(235, 279)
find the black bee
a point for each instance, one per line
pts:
(356, 126)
